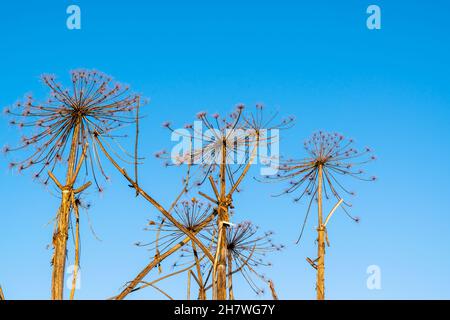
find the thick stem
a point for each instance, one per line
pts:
(2, 296)
(230, 278)
(272, 290)
(320, 283)
(60, 246)
(222, 222)
(77, 249)
(62, 225)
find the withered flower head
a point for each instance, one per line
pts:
(239, 134)
(338, 158)
(92, 105)
(190, 213)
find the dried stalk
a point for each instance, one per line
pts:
(230, 277)
(2, 296)
(163, 292)
(130, 287)
(320, 282)
(272, 290)
(199, 274)
(147, 284)
(64, 122)
(189, 285)
(224, 202)
(237, 270)
(60, 235)
(77, 248)
(222, 222)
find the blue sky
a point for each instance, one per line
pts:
(388, 89)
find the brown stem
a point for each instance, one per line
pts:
(221, 287)
(60, 234)
(2, 296)
(189, 285)
(230, 277)
(197, 266)
(320, 283)
(272, 290)
(77, 247)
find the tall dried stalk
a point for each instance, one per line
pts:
(222, 222)
(2, 296)
(230, 277)
(330, 156)
(67, 123)
(272, 290)
(61, 233)
(230, 138)
(199, 278)
(320, 282)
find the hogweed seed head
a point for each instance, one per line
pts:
(94, 104)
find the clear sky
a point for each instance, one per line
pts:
(317, 60)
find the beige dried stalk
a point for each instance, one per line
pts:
(330, 157)
(64, 130)
(2, 296)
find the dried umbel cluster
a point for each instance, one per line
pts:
(239, 133)
(247, 249)
(337, 156)
(92, 105)
(192, 214)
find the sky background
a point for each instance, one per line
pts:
(316, 60)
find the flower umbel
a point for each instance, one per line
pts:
(93, 103)
(337, 157)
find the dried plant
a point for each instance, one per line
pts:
(193, 215)
(223, 155)
(2, 296)
(84, 120)
(64, 130)
(239, 134)
(246, 253)
(231, 140)
(190, 213)
(331, 157)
